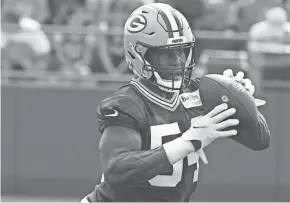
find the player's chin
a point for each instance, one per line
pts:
(172, 79)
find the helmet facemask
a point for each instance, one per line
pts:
(171, 77)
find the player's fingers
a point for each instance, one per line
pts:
(259, 102)
(253, 89)
(223, 115)
(217, 109)
(226, 124)
(246, 82)
(228, 133)
(202, 156)
(249, 86)
(240, 75)
(228, 73)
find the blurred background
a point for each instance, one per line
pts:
(60, 58)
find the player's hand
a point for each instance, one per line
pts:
(247, 83)
(209, 127)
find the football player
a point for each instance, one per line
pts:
(154, 128)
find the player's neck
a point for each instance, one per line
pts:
(156, 89)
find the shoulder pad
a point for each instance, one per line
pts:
(123, 108)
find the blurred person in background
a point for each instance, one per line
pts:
(75, 50)
(25, 46)
(275, 28)
(233, 15)
(286, 5)
(223, 16)
(110, 50)
(62, 10)
(35, 9)
(220, 15)
(61, 13)
(253, 11)
(269, 46)
(230, 17)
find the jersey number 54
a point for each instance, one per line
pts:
(157, 133)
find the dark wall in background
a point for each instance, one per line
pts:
(49, 147)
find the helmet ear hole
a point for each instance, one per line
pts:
(132, 56)
(146, 74)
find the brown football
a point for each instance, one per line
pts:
(216, 89)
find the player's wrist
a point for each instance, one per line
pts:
(178, 149)
(190, 135)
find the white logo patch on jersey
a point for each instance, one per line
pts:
(190, 99)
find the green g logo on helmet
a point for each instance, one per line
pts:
(137, 23)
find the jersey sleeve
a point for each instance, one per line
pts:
(121, 110)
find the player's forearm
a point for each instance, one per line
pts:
(259, 140)
(141, 166)
(137, 166)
